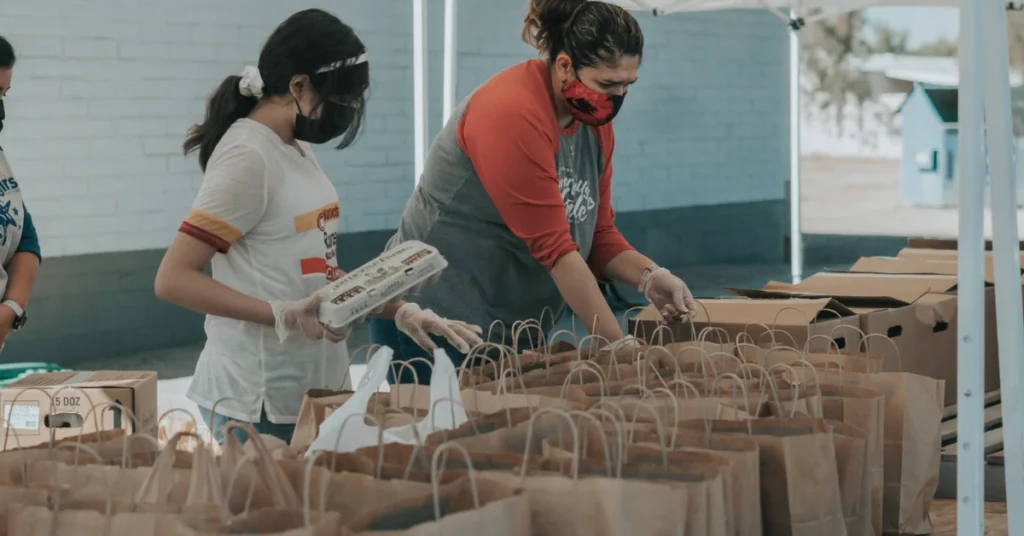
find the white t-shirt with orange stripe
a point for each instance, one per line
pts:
(272, 214)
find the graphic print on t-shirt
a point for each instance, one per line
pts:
(7, 219)
(576, 194)
(323, 220)
(11, 218)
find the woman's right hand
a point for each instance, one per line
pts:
(299, 317)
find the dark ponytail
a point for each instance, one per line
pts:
(590, 32)
(226, 105)
(311, 42)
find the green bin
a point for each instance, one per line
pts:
(10, 372)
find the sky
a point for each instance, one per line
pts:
(924, 24)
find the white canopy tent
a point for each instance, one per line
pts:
(984, 93)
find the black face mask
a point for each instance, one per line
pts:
(334, 120)
(1, 115)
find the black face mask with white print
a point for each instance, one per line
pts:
(334, 120)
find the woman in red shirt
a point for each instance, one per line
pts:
(516, 191)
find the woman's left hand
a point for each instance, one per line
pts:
(670, 295)
(419, 324)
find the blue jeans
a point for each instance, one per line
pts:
(385, 333)
(216, 424)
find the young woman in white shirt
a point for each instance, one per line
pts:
(266, 219)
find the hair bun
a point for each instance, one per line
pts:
(546, 20)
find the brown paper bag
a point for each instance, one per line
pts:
(150, 512)
(486, 402)
(494, 509)
(851, 362)
(595, 506)
(913, 441)
(38, 521)
(851, 448)
(865, 409)
(699, 476)
(742, 453)
(111, 446)
(799, 482)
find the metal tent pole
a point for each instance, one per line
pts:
(796, 239)
(451, 53)
(1006, 247)
(970, 468)
(420, 49)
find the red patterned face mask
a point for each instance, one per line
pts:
(590, 106)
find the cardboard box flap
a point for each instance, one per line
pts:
(944, 306)
(924, 242)
(777, 312)
(108, 378)
(780, 290)
(912, 265)
(870, 288)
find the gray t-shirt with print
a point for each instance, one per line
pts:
(491, 273)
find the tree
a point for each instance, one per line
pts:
(829, 50)
(939, 47)
(889, 40)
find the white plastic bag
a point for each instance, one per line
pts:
(446, 410)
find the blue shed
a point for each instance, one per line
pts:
(928, 174)
(929, 133)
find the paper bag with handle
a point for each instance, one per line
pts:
(148, 514)
(799, 482)
(742, 453)
(578, 505)
(912, 441)
(472, 505)
(706, 479)
(864, 409)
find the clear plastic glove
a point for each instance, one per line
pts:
(669, 294)
(419, 324)
(299, 318)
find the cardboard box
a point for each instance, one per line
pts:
(801, 319)
(917, 312)
(918, 242)
(57, 405)
(910, 265)
(950, 267)
(950, 256)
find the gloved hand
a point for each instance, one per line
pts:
(668, 294)
(299, 317)
(418, 324)
(628, 342)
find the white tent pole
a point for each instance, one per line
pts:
(451, 53)
(970, 467)
(419, 75)
(1006, 248)
(796, 239)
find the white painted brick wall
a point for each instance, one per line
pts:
(104, 92)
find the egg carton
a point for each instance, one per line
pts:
(373, 285)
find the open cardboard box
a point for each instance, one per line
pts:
(917, 312)
(800, 319)
(51, 406)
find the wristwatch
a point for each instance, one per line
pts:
(19, 314)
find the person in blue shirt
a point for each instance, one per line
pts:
(20, 254)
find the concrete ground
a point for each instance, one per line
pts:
(861, 196)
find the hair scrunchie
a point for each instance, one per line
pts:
(251, 84)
